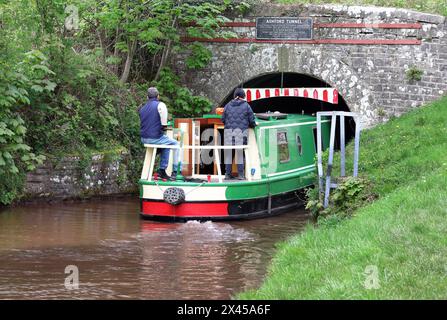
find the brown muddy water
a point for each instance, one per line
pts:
(120, 256)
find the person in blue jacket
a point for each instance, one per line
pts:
(237, 118)
(154, 121)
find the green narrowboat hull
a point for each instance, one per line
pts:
(277, 189)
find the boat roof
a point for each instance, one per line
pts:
(261, 117)
(275, 118)
(291, 118)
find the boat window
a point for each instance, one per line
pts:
(283, 147)
(299, 144)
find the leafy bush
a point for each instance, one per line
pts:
(200, 56)
(88, 109)
(66, 91)
(17, 83)
(180, 101)
(351, 194)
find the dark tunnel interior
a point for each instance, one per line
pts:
(295, 104)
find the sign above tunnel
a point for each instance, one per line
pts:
(284, 28)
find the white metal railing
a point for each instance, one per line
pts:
(326, 183)
(151, 152)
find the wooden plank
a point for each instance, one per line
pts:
(239, 24)
(219, 173)
(151, 168)
(353, 25)
(319, 41)
(370, 25)
(187, 154)
(215, 143)
(146, 164)
(193, 143)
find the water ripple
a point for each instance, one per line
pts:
(120, 256)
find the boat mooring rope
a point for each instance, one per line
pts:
(168, 193)
(195, 188)
(156, 183)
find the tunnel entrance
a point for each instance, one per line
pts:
(295, 105)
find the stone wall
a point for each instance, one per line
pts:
(75, 177)
(371, 78)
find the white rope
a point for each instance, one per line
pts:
(156, 183)
(195, 188)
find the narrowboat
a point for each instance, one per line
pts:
(279, 165)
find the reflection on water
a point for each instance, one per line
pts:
(121, 256)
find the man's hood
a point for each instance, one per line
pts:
(236, 102)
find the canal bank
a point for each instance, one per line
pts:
(93, 174)
(394, 248)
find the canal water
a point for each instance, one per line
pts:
(120, 256)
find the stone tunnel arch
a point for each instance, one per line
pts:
(296, 105)
(288, 104)
(260, 60)
(364, 52)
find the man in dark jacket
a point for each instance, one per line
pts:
(154, 121)
(237, 118)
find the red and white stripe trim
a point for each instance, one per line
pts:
(323, 94)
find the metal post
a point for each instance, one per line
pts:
(319, 154)
(327, 184)
(342, 146)
(357, 145)
(330, 161)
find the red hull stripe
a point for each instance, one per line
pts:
(197, 209)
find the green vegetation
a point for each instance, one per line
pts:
(414, 74)
(400, 237)
(72, 74)
(350, 195)
(433, 6)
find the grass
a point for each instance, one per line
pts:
(403, 234)
(432, 6)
